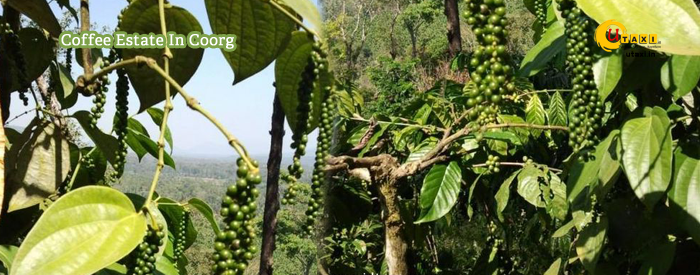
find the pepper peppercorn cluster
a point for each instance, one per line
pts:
(142, 260)
(322, 151)
(491, 74)
(234, 245)
(586, 108)
(15, 50)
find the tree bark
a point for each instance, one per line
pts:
(454, 38)
(272, 204)
(85, 26)
(396, 245)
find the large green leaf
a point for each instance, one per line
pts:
(607, 71)
(685, 192)
(288, 75)
(680, 74)
(106, 143)
(439, 192)
(308, 11)
(81, 233)
(554, 268)
(206, 211)
(590, 242)
(262, 30)
(529, 185)
(674, 21)
(556, 114)
(535, 114)
(38, 53)
(647, 154)
(39, 11)
(41, 166)
(553, 42)
(142, 16)
(503, 195)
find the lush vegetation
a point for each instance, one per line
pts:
(511, 143)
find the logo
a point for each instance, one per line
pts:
(611, 34)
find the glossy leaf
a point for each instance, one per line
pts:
(439, 192)
(106, 143)
(261, 30)
(680, 74)
(41, 167)
(607, 71)
(142, 16)
(685, 192)
(39, 11)
(288, 75)
(38, 54)
(503, 194)
(661, 17)
(81, 233)
(535, 114)
(647, 154)
(206, 211)
(556, 114)
(590, 242)
(552, 43)
(157, 117)
(529, 185)
(4, 144)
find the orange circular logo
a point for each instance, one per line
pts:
(609, 35)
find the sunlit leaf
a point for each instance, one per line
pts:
(647, 154)
(81, 233)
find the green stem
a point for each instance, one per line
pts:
(166, 109)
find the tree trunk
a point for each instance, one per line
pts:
(454, 38)
(396, 249)
(272, 204)
(414, 41)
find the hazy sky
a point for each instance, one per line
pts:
(245, 109)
